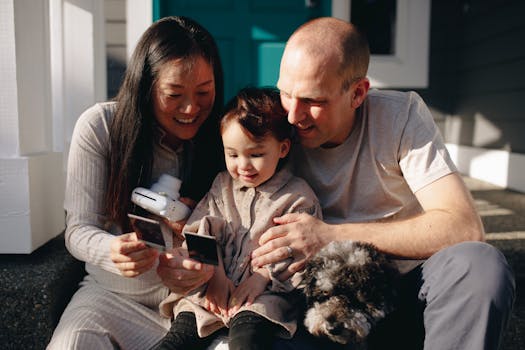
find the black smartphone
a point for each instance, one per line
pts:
(148, 230)
(202, 248)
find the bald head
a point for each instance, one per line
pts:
(334, 40)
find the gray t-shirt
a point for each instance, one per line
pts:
(394, 150)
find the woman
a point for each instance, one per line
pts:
(164, 120)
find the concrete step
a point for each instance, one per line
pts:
(503, 214)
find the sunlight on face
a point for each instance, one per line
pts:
(183, 97)
(311, 93)
(251, 162)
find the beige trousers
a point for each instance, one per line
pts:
(98, 319)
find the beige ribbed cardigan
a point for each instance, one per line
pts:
(128, 306)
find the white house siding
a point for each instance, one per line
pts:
(476, 86)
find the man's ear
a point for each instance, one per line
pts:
(360, 91)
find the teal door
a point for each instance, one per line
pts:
(251, 34)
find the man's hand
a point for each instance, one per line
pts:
(303, 233)
(131, 256)
(182, 274)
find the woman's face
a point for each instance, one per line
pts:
(183, 97)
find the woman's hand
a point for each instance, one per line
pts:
(180, 273)
(189, 202)
(176, 229)
(248, 290)
(177, 226)
(299, 236)
(131, 256)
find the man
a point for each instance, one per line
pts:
(382, 173)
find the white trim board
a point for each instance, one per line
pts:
(408, 66)
(498, 167)
(139, 16)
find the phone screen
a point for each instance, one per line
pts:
(148, 230)
(202, 248)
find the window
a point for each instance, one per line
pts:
(399, 35)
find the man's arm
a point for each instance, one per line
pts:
(449, 217)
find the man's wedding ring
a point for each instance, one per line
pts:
(290, 251)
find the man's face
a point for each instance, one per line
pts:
(311, 93)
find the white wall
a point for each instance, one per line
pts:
(48, 77)
(498, 167)
(84, 59)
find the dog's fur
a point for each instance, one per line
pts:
(348, 286)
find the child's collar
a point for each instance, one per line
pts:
(268, 188)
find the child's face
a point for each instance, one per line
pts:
(249, 161)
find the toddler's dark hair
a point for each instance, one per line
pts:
(258, 111)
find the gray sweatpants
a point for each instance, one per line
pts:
(460, 298)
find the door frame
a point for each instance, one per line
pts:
(407, 68)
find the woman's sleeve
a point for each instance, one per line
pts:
(86, 237)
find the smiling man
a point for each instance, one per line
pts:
(379, 166)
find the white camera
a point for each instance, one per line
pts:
(162, 199)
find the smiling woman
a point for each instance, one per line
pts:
(183, 97)
(163, 121)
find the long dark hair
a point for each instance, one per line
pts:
(130, 158)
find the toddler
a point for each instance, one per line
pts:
(238, 209)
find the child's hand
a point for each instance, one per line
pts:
(180, 273)
(131, 256)
(218, 292)
(248, 290)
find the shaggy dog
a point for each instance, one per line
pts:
(349, 286)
